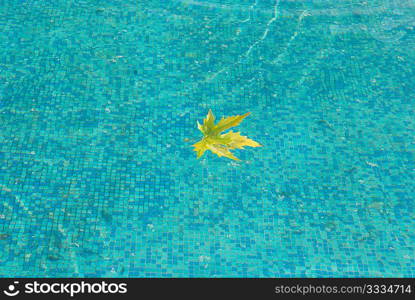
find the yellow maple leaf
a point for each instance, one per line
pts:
(218, 143)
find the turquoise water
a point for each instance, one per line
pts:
(98, 108)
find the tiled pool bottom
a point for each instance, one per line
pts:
(98, 111)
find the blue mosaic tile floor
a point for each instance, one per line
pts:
(98, 108)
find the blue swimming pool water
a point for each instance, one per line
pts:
(98, 108)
